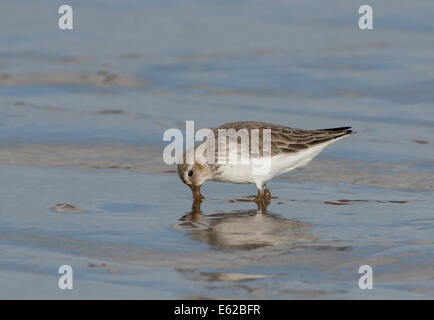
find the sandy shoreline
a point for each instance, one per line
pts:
(402, 175)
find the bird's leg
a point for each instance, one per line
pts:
(267, 193)
(260, 196)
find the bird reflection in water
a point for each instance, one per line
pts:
(243, 230)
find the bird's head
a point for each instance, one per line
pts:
(194, 175)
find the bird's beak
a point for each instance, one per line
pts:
(196, 192)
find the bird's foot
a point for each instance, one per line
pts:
(263, 198)
(267, 194)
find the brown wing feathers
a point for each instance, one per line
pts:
(289, 140)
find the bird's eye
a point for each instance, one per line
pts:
(190, 173)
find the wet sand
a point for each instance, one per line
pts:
(302, 246)
(82, 177)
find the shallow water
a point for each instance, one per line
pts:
(82, 115)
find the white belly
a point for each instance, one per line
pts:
(280, 164)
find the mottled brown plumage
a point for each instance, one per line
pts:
(286, 139)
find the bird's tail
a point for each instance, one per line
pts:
(338, 132)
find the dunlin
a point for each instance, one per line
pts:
(289, 149)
